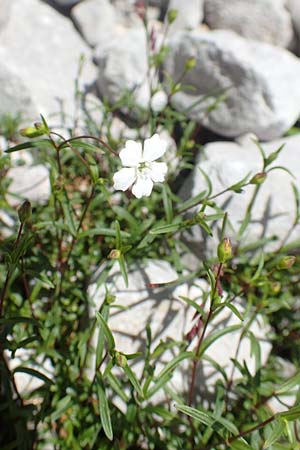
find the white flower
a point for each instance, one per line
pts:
(139, 169)
(159, 101)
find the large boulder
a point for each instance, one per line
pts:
(262, 20)
(273, 214)
(151, 299)
(259, 83)
(40, 53)
(99, 20)
(123, 67)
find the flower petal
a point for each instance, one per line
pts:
(142, 187)
(124, 178)
(154, 148)
(131, 154)
(158, 171)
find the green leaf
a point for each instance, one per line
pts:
(164, 229)
(240, 444)
(107, 332)
(101, 231)
(43, 143)
(159, 383)
(116, 386)
(285, 169)
(123, 269)
(104, 408)
(78, 143)
(292, 414)
(275, 434)
(234, 310)
(208, 182)
(118, 235)
(191, 202)
(62, 405)
(255, 350)
(215, 336)
(133, 380)
(69, 217)
(34, 373)
(167, 202)
(259, 267)
(101, 335)
(11, 321)
(289, 385)
(174, 363)
(192, 303)
(201, 416)
(272, 156)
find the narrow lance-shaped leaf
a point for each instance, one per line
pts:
(104, 409)
(106, 330)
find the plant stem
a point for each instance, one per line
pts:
(201, 337)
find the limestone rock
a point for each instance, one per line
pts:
(226, 163)
(255, 92)
(123, 68)
(294, 8)
(189, 14)
(39, 58)
(96, 20)
(28, 183)
(262, 20)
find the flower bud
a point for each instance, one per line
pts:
(24, 212)
(114, 254)
(109, 298)
(190, 64)
(286, 262)
(159, 101)
(172, 15)
(224, 250)
(119, 359)
(275, 287)
(32, 132)
(259, 178)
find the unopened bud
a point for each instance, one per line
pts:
(276, 287)
(32, 132)
(172, 15)
(109, 298)
(286, 262)
(259, 178)
(24, 212)
(190, 64)
(114, 254)
(120, 359)
(224, 250)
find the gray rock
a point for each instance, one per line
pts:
(144, 301)
(273, 214)
(39, 55)
(255, 79)
(123, 67)
(96, 19)
(28, 183)
(262, 20)
(66, 3)
(294, 8)
(5, 7)
(190, 14)
(16, 94)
